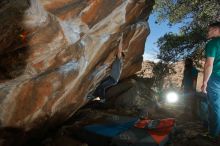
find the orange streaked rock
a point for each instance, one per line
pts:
(68, 50)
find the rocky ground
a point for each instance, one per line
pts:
(188, 128)
(131, 97)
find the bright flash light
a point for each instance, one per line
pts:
(172, 97)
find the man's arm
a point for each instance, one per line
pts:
(119, 53)
(207, 72)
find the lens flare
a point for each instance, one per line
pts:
(172, 97)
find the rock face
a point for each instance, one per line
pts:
(174, 79)
(54, 52)
(132, 94)
(146, 70)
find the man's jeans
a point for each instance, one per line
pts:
(213, 91)
(101, 89)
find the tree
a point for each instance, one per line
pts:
(196, 15)
(160, 71)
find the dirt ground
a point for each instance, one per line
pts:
(189, 130)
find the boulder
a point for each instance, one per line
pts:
(135, 94)
(54, 52)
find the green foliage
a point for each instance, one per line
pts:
(160, 71)
(196, 15)
(174, 47)
(200, 11)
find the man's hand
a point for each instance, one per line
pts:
(203, 88)
(119, 53)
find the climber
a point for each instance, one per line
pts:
(112, 79)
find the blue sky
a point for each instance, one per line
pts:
(157, 30)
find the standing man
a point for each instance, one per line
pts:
(211, 78)
(189, 86)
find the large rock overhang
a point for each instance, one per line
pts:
(54, 52)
